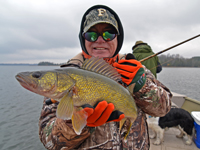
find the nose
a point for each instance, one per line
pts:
(100, 40)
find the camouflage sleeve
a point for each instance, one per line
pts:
(153, 98)
(55, 133)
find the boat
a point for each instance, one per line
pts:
(171, 142)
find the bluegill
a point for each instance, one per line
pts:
(73, 87)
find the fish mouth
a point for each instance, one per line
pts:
(27, 85)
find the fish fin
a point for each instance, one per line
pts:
(131, 88)
(126, 135)
(121, 123)
(79, 119)
(65, 107)
(100, 66)
(129, 128)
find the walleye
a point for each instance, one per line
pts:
(73, 87)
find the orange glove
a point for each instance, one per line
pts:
(131, 71)
(102, 113)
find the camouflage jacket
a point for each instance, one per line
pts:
(57, 134)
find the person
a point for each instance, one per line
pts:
(142, 50)
(101, 35)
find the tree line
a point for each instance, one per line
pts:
(46, 63)
(176, 60)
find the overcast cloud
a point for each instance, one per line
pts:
(32, 31)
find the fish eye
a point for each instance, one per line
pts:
(36, 74)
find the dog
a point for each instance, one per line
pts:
(176, 118)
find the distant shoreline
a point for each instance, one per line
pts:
(28, 65)
(178, 67)
(18, 64)
(60, 64)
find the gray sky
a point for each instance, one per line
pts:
(32, 31)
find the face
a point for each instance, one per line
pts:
(101, 48)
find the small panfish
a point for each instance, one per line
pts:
(73, 87)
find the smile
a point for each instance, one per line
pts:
(100, 48)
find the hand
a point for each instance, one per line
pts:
(102, 113)
(131, 71)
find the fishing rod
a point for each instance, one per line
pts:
(169, 48)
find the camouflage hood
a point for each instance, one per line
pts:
(120, 28)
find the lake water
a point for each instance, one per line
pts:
(20, 109)
(184, 81)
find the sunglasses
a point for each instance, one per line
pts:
(93, 36)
